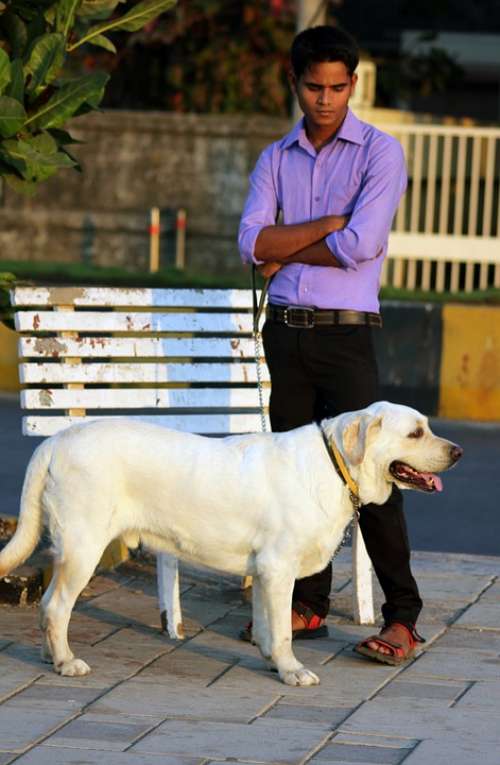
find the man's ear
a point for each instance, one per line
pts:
(357, 435)
(292, 81)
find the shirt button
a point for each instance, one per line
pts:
(316, 199)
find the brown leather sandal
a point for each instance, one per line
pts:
(314, 625)
(399, 639)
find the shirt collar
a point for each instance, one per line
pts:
(351, 130)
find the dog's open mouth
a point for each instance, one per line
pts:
(415, 479)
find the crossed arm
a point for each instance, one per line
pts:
(297, 243)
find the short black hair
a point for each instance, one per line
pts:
(325, 43)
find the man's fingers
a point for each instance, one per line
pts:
(269, 269)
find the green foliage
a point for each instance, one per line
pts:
(206, 56)
(7, 282)
(37, 97)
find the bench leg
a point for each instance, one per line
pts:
(167, 574)
(361, 580)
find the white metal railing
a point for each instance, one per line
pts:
(446, 230)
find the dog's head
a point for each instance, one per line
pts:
(387, 444)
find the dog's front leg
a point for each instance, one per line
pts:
(261, 633)
(276, 595)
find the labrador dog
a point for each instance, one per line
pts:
(270, 505)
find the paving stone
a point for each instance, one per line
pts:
(229, 740)
(445, 692)
(366, 755)
(331, 716)
(65, 697)
(49, 755)
(177, 700)
(185, 664)
(453, 752)
(91, 626)
(140, 636)
(492, 594)
(464, 588)
(7, 757)
(338, 687)
(428, 563)
(19, 623)
(122, 606)
(19, 665)
(91, 731)
(456, 665)
(395, 742)
(461, 639)
(11, 685)
(203, 610)
(486, 615)
(19, 731)
(139, 645)
(486, 695)
(424, 721)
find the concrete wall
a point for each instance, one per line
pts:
(133, 161)
(442, 360)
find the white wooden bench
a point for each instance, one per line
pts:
(183, 358)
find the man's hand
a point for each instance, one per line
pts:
(269, 269)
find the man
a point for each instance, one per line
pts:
(337, 182)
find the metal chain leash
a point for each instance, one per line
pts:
(257, 338)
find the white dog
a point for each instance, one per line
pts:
(269, 505)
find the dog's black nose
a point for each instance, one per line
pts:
(456, 452)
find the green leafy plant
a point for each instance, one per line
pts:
(7, 282)
(37, 98)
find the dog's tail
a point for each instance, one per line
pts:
(29, 527)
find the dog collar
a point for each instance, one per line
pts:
(341, 468)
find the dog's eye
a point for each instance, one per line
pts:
(418, 433)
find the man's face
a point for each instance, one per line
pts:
(323, 92)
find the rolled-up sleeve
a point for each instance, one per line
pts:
(366, 234)
(261, 206)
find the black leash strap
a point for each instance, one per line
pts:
(258, 306)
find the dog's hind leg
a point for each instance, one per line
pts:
(260, 622)
(277, 588)
(71, 575)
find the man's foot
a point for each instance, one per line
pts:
(394, 645)
(306, 625)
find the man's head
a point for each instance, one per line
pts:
(322, 76)
(320, 44)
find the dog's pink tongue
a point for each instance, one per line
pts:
(435, 480)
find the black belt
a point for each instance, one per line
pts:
(306, 318)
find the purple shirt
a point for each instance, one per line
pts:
(361, 173)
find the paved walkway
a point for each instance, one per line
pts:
(152, 701)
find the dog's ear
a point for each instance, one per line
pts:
(358, 434)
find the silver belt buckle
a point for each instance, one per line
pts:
(306, 312)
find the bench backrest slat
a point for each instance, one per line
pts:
(145, 298)
(137, 323)
(140, 398)
(205, 424)
(136, 347)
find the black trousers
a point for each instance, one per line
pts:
(322, 372)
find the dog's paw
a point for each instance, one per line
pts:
(73, 668)
(301, 676)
